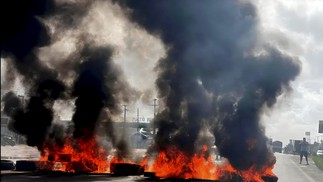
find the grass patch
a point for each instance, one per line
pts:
(318, 161)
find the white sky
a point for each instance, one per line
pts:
(296, 26)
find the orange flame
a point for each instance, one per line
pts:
(78, 155)
(174, 163)
(118, 160)
(255, 174)
(86, 156)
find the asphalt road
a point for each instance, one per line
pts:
(288, 169)
(30, 177)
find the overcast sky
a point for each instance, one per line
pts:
(294, 26)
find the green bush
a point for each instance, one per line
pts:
(318, 161)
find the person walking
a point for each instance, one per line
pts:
(304, 150)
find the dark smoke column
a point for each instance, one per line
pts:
(97, 90)
(35, 120)
(91, 90)
(99, 84)
(212, 74)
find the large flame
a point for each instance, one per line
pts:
(81, 155)
(78, 155)
(174, 163)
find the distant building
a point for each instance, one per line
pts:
(8, 137)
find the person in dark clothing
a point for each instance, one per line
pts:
(304, 151)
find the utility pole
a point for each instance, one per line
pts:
(22, 100)
(124, 118)
(137, 119)
(154, 125)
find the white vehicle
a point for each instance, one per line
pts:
(319, 152)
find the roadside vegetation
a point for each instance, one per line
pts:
(318, 161)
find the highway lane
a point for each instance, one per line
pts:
(29, 177)
(288, 169)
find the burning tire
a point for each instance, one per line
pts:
(7, 165)
(150, 175)
(125, 169)
(24, 165)
(270, 178)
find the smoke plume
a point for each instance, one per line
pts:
(216, 73)
(94, 89)
(23, 33)
(87, 75)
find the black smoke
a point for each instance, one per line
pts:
(98, 86)
(22, 33)
(34, 120)
(91, 90)
(21, 30)
(214, 74)
(13, 103)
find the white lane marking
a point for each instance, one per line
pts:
(306, 175)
